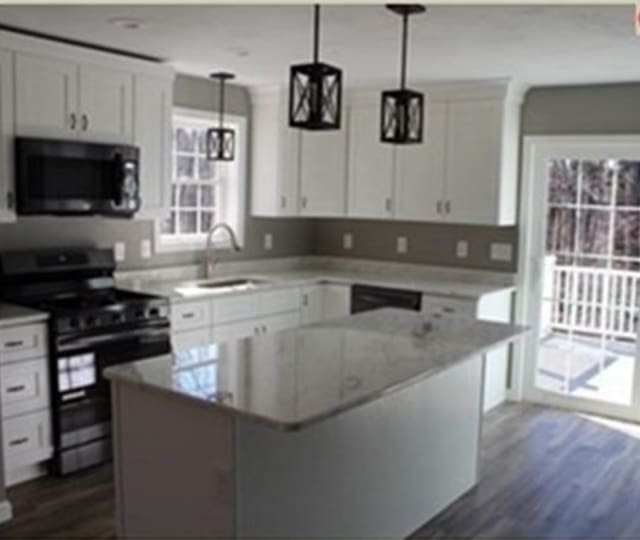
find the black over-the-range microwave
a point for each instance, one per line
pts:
(76, 178)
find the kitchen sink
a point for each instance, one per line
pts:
(231, 283)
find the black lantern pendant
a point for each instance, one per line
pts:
(315, 90)
(221, 141)
(402, 110)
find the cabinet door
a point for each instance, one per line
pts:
(323, 173)
(106, 111)
(312, 304)
(370, 179)
(473, 161)
(419, 190)
(275, 160)
(336, 300)
(7, 190)
(152, 135)
(46, 97)
(277, 323)
(234, 331)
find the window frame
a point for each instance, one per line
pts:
(233, 209)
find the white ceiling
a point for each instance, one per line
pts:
(539, 45)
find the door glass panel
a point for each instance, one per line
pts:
(590, 280)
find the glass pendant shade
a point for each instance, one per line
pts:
(315, 91)
(402, 110)
(221, 141)
(402, 116)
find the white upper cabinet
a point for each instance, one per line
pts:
(7, 193)
(153, 98)
(323, 173)
(473, 162)
(46, 97)
(105, 104)
(370, 178)
(275, 171)
(419, 170)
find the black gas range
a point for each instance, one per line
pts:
(92, 325)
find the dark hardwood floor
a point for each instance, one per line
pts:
(544, 474)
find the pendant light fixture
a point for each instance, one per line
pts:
(315, 90)
(221, 141)
(402, 110)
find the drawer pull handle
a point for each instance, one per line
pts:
(16, 389)
(188, 315)
(12, 344)
(20, 441)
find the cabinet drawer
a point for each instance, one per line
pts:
(26, 439)
(24, 387)
(191, 338)
(279, 301)
(234, 308)
(23, 342)
(188, 315)
(277, 323)
(448, 306)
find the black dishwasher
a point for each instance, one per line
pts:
(366, 298)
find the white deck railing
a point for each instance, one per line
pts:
(588, 300)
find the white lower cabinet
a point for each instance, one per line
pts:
(26, 439)
(24, 387)
(336, 300)
(494, 307)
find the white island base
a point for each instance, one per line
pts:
(382, 469)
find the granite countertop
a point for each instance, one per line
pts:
(12, 315)
(292, 379)
(178, 290)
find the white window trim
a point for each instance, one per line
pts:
(236, 216)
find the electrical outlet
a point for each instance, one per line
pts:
(119, 251)
(501, 252)
(402, 244)
(347, 241)
(268, 241)
(462, 249)
(145, 248)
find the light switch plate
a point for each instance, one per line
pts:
(119, 251)
(145, 248)
(462, 249)
(347, 241)
(501, 252)
(268, 241)
(402, 244)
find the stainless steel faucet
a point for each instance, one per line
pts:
(210, 258)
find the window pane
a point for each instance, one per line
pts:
(187, 222)
(597, 180)
(185, 167)
(563, 181)
(626, 240)
(185, 139)
(206, 221)
(561, 230)
(174, 189)
(593, 231)
(202, 141)
(208, 196)
(188, 196)
(205, 169)
(169, 224)
(628, 193)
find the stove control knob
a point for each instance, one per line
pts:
(154, 312)
(116, 317)
(90, 320)
(74, 323)
(140, 314)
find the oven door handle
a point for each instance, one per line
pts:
(81, 342)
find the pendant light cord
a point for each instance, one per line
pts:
(403, 59)
(316, 33)
(221, 102)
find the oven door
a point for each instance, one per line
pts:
(70, 177)
(80, 395)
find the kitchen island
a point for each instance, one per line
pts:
(360, 427)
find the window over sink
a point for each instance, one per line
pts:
(202, 192)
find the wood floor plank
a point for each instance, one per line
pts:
(545, 474)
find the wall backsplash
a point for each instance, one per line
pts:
(428, 243)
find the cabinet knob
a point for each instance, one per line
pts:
(264, 329)
(447, 207)
(73, 121)
(256, 331)
(439, 207)
(85, 122)
(304, 202)
(387, 204)
(10, 200)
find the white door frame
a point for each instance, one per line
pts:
(537, 152)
